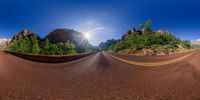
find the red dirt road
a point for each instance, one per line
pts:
(98, 77)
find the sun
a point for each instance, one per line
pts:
(87, 36)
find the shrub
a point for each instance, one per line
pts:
(30, 44)
(165, 42)
(186, 44)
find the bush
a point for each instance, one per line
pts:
(165, 42)
(186, 44)
(60, 48)
(26, 45)
(30, 44)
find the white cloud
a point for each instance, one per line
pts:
(97, 31)
(90, 22)
(198, 39)
(3, 41)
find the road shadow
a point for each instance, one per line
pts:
(102, 63)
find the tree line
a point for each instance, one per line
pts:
(149, 39)
(31, 44)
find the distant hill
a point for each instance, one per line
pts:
(107, 44)
(3, 41)
(62, 35)
(196, 44)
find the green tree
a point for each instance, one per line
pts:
(69, 48)
(60, 48)
(21, 45)
(35, 48)
(15, 47)
(46, 44)
(46, 47)
(186, 44)
(53, 50)
(146, 26)
(157, 42)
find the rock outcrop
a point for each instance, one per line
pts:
(130, 32)
(25, 32)
(161, 32)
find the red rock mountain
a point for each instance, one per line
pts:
(59, 35)
(25, 32)
(62, 35)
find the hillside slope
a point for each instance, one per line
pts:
(149, 42)
(58, 42)
(63, 35)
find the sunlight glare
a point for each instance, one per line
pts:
(87, 36)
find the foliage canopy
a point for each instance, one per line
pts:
(151, 40)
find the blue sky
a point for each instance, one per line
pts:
(101, 19)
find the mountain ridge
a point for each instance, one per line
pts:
(56, 36)
(62, 35)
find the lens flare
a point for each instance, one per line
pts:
(87, 36)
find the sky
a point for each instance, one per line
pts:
(100, 19)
